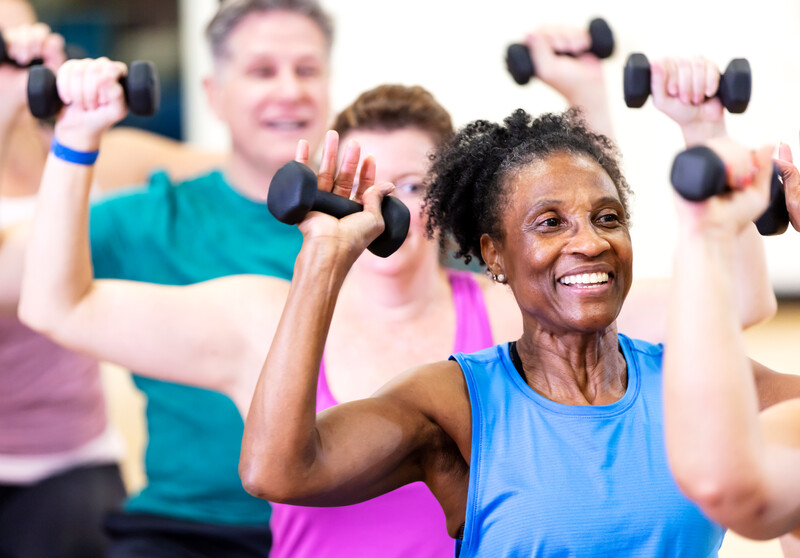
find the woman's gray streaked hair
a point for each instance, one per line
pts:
(232, 12)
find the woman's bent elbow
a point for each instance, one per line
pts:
(266, 484)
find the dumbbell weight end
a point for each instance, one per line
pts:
(699, 173)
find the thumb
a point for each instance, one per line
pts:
(785, 152)
(789, 173)
(373, 196)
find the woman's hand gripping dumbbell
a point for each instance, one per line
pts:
(601, 44)
(295, 191)
(734, 85)
(30, 45)
(140, 86)
(93, 100)
(699, 173)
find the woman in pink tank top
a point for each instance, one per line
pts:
(405, 522)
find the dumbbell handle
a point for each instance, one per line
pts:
(286, 185)
(699, 173)
(141, 87)
(5, 59)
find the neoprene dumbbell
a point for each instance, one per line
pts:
(698, 173)
(142, 90)
(520, 63)
(4, 59)
(734, 89)
(293, 193)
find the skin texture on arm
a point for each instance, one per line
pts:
(717, 451)
(21, 145)
(201, 335)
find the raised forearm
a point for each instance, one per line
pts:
(595, 106)
(755, 300)
(697, 132)
(58, 267)
(713, 439)
(280, 442)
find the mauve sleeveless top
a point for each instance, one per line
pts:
(51, 399)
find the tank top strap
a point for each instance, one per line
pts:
(473, 330)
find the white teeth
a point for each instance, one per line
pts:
(285, 125)
(585, 279)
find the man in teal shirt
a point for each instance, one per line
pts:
(270, 87)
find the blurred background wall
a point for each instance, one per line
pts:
(455, 48)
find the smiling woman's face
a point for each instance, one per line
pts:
(566, 253)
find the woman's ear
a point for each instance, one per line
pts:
(490, 252)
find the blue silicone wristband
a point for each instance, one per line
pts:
(71, 156)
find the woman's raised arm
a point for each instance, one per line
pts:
(204, 335)
(717, 448)
(353, 451)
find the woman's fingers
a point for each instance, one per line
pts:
(366, 177)
(343, 185)
(327, 168)
(301, 153)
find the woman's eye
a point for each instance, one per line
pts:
(549, 222)
(411, 189)
(609, 218)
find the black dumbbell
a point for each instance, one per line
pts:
(698, 173)
(734, 88)
(4, 59)
(520, 63)
(293, 193)
(141, 85)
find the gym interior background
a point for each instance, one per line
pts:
(455, 48)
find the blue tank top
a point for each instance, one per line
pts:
(548, 479)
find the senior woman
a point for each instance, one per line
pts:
(212, 334)
(550, 445)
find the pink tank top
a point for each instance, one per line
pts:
(51, 399)
(405, 522)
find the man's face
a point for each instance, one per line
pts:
(272, 87)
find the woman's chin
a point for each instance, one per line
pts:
(406, 258)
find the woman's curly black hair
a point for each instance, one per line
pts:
(466, 189)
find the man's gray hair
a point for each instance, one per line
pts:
(232, 12)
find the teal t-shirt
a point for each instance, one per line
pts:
(177, 234)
